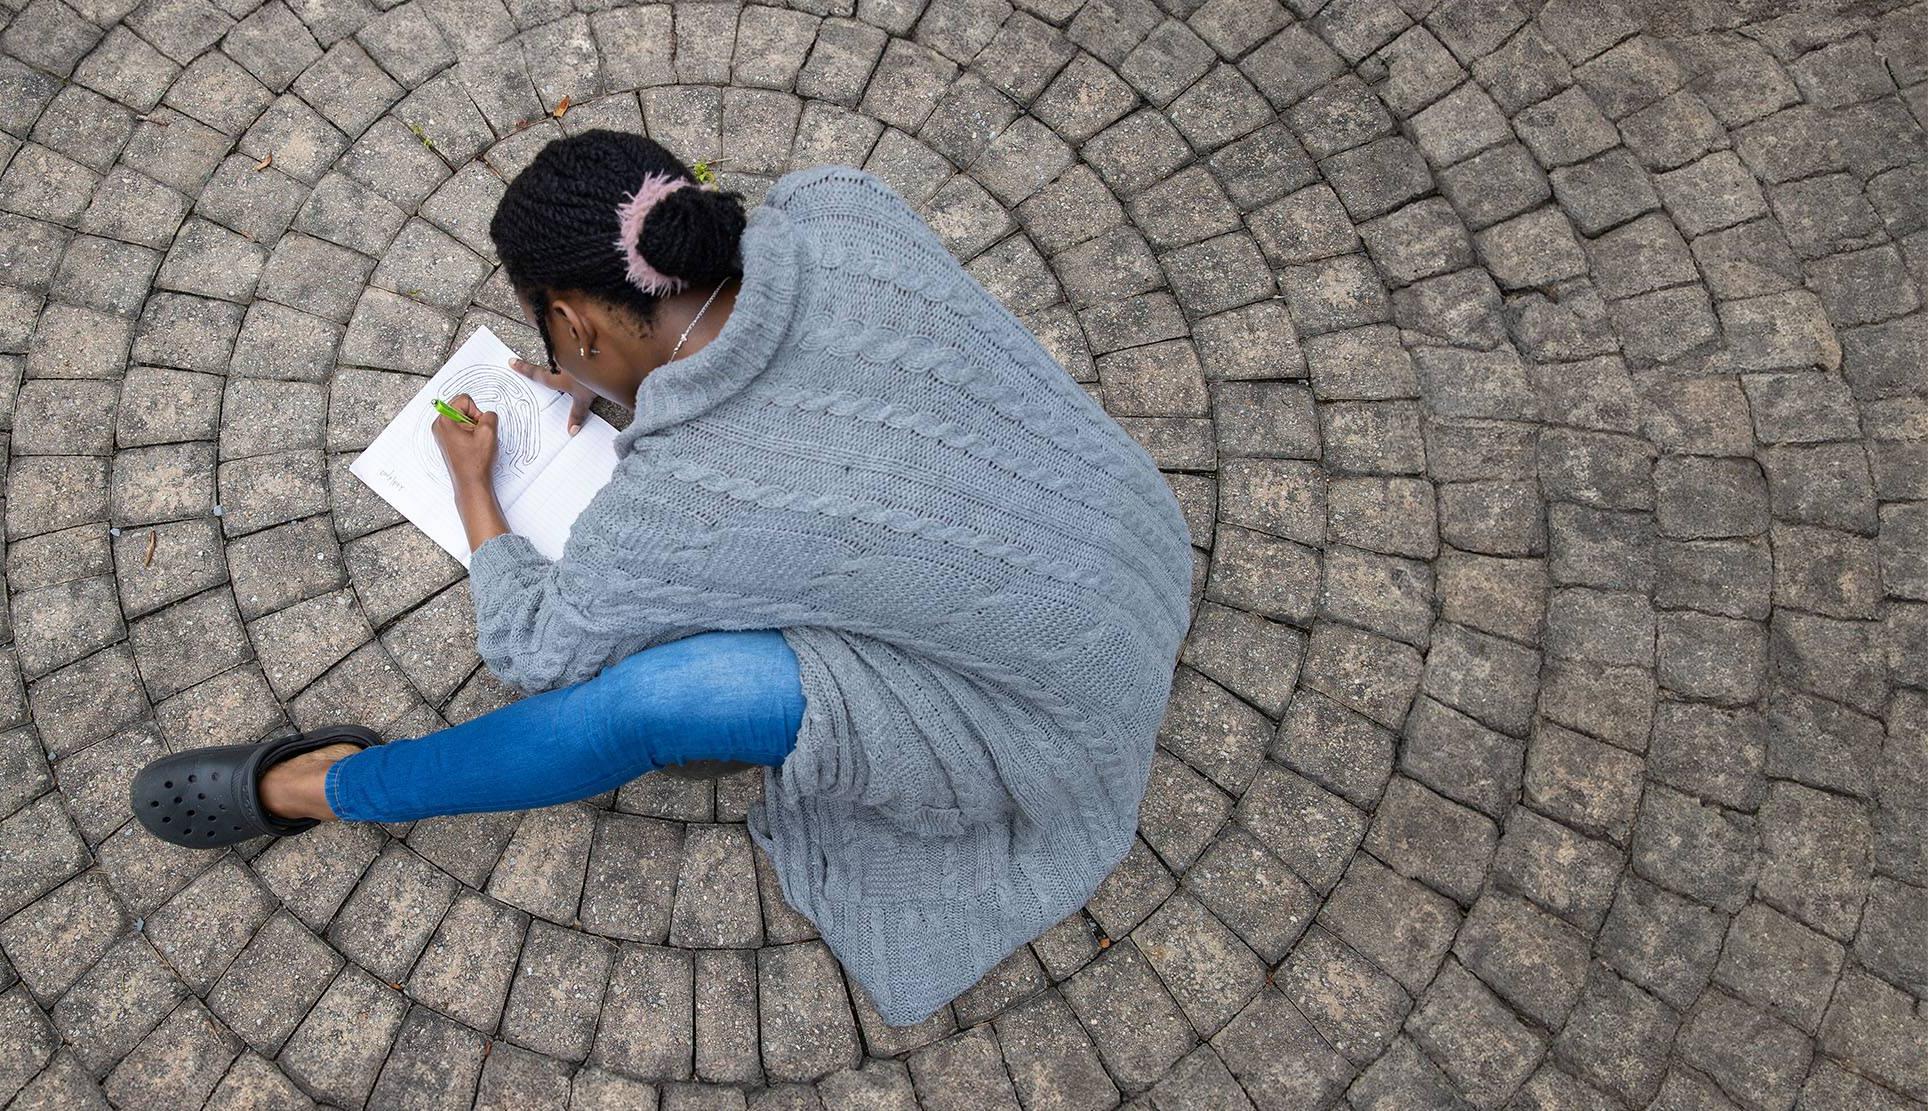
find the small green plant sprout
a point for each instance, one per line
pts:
(704, 174)
(423, 136)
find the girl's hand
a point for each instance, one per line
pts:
(468, 449)
(580, 395)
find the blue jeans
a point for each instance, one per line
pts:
(718, 695)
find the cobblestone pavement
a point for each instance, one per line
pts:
(1544, 383)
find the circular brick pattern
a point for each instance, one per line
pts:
(1544, 388)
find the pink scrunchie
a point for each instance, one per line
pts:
(629, 216)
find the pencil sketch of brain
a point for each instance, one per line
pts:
(518, 439)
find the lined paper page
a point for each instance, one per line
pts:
(404, 464)
(551, 504)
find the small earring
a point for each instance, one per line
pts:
(581, 354)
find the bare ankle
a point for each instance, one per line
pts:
(295, 788)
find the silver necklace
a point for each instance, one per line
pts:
(694, 319)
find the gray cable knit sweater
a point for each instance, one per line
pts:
(984, 577)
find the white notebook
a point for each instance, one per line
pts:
(544, 477)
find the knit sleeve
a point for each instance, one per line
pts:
(543, 623)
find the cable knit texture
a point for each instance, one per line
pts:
(984, 577)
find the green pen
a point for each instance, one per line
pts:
(450, 411)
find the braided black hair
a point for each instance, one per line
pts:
(556, 226)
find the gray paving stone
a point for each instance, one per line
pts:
(1422, 240)
(42, 183)
(87, 700)
(1369, 674)
(298, 140)
(1842, 73)
(466, 846)
(1355, 1007)
(880, 1083)
(962, 1071)
(211, 261)
(557, 993)
(1278, 1057)
(1458, 383)
(1431, 839)
(1399, 925)
(283, 343)
(1778, 964)
(1825, 214)
(128, 69)
(1483, 676)
(159, 405)
(1484, 1049)
(514, 1077)
(300, 642)
(1182, 810)
(107, 274)
(1418, 68)
(1873, 1022)
(465, 970)
(175, 150)
(94, 782)
(1382, 594)
(1612, 1035)
(1531, 250)
(283, 565)
(1337, 116)
(53, 942)
(178, 1063)
(716, 902)
(725, 1023)
(1814, 850)
(816, 1034)
(220, 93)
(541, 871)
(63, 1083)
(1825, 656)
(273, 982)
(188, 642)
(110, 1009)
(1751, 1053)
(92, 344)
(270, 489)
(434, 1059)
(1459, 758)
(1373, 437)
(1666, 944)
(1051, 1059)
(1254, 893)
(1210, 972)
(1246, 654)
(184, 562)
(411, 896)
(1863, 287)
(1505, 597)
(394, 161)
(59, 624)
(1559, 869)
(26, 763)
(1138, 1029)
(1831, 1086)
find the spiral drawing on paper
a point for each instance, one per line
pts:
(518, 438)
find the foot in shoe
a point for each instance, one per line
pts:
(293, 788)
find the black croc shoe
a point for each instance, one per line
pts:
(208, 797)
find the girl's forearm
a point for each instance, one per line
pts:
(481, 514)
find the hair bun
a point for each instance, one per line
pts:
(694, 234)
